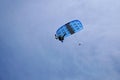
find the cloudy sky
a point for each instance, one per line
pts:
(29, 51)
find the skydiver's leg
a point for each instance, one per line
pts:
(61, 40)
(56, 37)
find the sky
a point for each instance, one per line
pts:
(29, 50)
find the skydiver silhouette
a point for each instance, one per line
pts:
(61, 38)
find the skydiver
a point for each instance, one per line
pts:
(79, 44)
(61, 38)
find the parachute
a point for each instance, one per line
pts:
(69, 28)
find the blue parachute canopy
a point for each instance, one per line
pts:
(69, 28)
